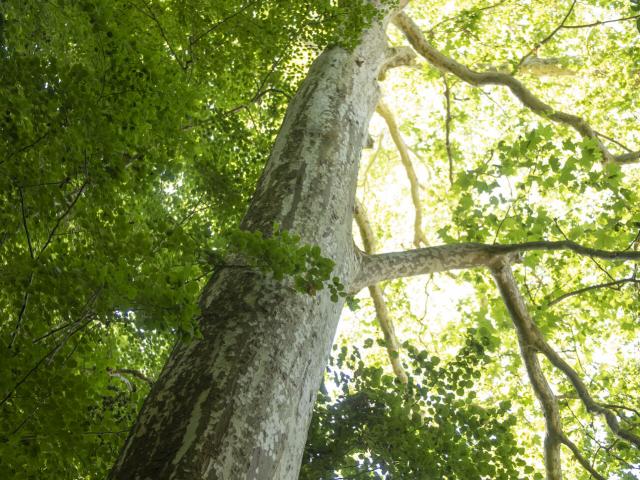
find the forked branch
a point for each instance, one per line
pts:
(531, 101)
(442, 258)
(530, 340)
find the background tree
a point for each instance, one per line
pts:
(133, 134)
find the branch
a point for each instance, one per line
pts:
(151, 15)
(590, 404)
(382, 313)
(387, 115)
(546, 39)
(535, 104)
(23, 309)
(441, 258)
(527, 337)
(24, 223)
(467, 12)
(592, 287)
(398, 57)
(447, 126)
(602, 22)
(195, 39)
(120, 372)
(530, 339)
(61, 218)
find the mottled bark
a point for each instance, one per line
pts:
(442, 258)
(532, 342)
(236, 404)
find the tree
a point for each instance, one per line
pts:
(235, 397)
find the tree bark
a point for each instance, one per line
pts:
(237, 404)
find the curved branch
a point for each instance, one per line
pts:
(382, 313)
(535, 104)
(530, 340)
(580, 458)
(441, 258)
(527, 340)
(387, 115)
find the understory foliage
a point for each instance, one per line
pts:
(367, 424)
(132, 134)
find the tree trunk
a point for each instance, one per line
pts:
(237, 404)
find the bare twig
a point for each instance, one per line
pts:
(151, 15)
(47, 356)
(592, 287)
(195, 39)
(61, 218)
(24, 223)
(23, 309)
(467, 12)
(602, 22)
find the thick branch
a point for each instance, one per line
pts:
(382, 313)
(535, 104)
(421, 261)
(529, 339)
(536, 342)
(387, 115)
(398, 57)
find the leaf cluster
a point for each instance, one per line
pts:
(369, 425)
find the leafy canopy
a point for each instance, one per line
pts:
(132, 134)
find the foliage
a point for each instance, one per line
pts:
(434, 427)
(132, 134)
(282, 256)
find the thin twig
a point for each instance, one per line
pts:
(216, 25)
(592, 287)
(61, 218)
(602, 22)
(545, 39)
(24, 223)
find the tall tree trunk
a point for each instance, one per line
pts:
(237, 404)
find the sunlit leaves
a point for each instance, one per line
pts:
(368, 425)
